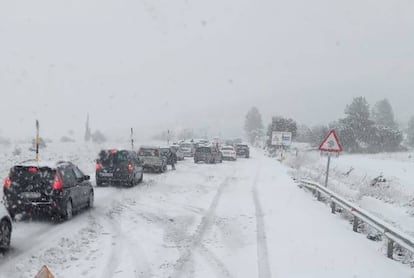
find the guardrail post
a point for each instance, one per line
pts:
(355, 226)
(390, 248)
(333, 207)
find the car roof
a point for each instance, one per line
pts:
(149, 147)
(43, 163)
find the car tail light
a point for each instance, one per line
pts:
(98, 166)
(32, 169)
(57, 182)
(7, 182)
(130, 167)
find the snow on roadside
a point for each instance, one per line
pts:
(308, 241)
(391, 199)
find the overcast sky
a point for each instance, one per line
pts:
(191, 63)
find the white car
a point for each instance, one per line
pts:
(228, 153)
(5, 228)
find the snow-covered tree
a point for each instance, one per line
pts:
(383, 114)
(304, 134)
(253, 125)
(384, 139)
(410, 132)
(358, 119)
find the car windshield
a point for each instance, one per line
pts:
(149, 152)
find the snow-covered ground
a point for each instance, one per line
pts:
(352, 175)
(237, 219)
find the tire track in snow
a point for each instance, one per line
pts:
(120, 242)
(262, 249)
(187, 254)
(214, 261)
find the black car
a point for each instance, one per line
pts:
(118, 167)
(243, 150)
(208, 154)
(54, 188)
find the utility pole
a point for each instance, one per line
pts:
(132, 138)
(37, 140)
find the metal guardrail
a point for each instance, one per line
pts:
(393, 235)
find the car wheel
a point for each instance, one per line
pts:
(98, 183)
(69, 210)
(5, 234)
(90, 200)
(141, 178)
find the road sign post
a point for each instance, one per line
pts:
(330, 146)
(132, 138)
(37, 140)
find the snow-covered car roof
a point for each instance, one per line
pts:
(149, 147)
(42, 163)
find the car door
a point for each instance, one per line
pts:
(70, 184)
(83, 186)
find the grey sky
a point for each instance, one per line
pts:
(163, 63)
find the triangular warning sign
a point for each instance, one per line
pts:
(331, 143)
(44, 273)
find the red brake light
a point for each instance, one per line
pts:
(32, 169)
(98, 166)
(130, 167)
(112, 151)
(7, 182)
(57, 182)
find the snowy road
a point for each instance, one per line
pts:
(236, 219)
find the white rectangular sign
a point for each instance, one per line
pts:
(281, 138)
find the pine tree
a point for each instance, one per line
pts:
(383, 114)
(410, 132)
(253, 125)
(358, 120)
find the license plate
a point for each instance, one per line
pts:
(30, 195)
(106, 175)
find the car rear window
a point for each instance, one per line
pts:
(32, 175)
(113, 157)
(204, 150)
(227, 149)
(186, 145)
(148, 152)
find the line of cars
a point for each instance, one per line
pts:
(214, 153)
(59, 189)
